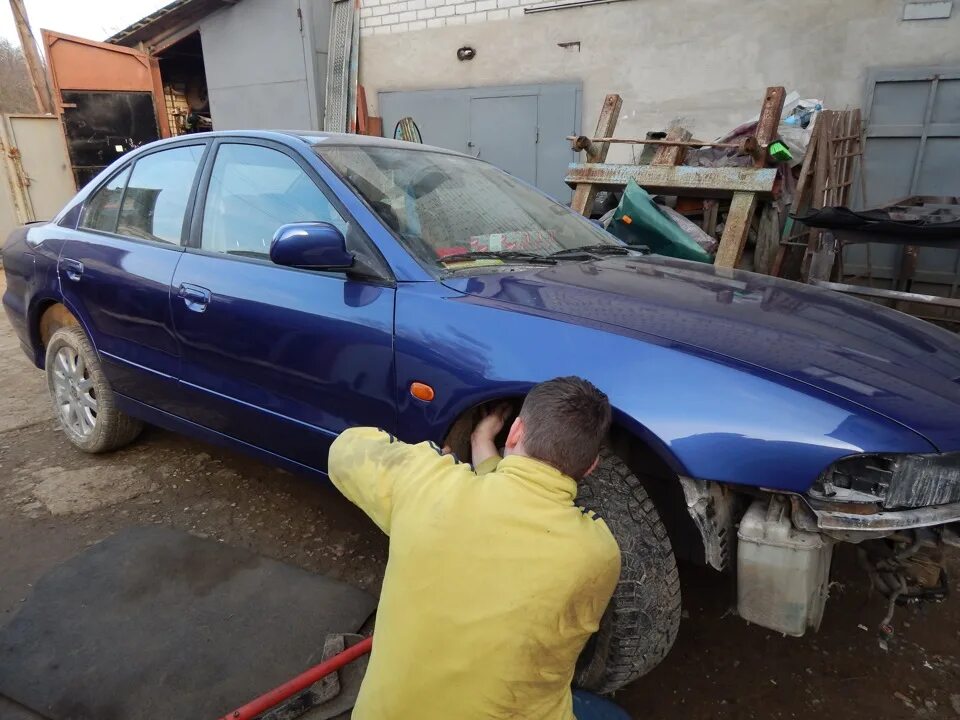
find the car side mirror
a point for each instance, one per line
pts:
(310, 245)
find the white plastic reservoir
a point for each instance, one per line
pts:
(782, 573)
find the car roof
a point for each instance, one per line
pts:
(316, 139)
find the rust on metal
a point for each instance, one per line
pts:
(681, 180)
(769, 122)
(867, 291)
(80, 64)
(584, 193)
(581, 142)
(673, 154)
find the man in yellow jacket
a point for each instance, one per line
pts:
(495, 579)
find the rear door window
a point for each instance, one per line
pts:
(101, 211)
(155, 202)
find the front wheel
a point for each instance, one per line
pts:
(642, 620)
(82, 397)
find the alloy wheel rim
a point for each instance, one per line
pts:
(74, 393)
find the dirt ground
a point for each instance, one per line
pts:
(54, 501)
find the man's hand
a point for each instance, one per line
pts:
(483, 435)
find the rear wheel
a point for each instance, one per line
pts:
(82, 397)
(642, 620)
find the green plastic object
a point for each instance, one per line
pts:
(780, 152)
(638, 221)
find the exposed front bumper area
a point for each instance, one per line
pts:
(884, 521)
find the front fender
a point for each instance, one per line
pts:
(710, 417)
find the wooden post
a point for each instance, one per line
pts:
(735, 229)
(38, 73)
(584, 193)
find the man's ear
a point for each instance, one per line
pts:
(596, 461)
(515, 436)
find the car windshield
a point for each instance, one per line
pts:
(454, 212)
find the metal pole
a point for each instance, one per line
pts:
(38, 73)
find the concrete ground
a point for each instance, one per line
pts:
(54, 501)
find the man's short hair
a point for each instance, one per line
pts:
(565, 421)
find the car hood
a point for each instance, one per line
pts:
(889, 362)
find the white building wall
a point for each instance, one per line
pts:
(378, 17)
(705, 63)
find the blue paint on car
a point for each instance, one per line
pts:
(727, 375)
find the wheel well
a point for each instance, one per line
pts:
(659, 479)
(664, 489)
(458, 436)
(50, 317)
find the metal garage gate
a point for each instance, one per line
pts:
(912, 148)
(521, 129)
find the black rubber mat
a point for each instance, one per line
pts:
(155, 623)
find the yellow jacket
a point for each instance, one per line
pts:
(494, 583)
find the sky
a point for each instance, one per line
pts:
(93, 19)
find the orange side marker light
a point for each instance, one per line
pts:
(422, 391)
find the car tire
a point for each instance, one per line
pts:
(641, 623)
(84, 390)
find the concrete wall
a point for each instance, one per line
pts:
(703, 62)
(260, 66)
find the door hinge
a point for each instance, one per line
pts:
(300, 17)
(537, 140)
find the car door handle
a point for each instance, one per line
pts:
(196, 298)
(73, 269)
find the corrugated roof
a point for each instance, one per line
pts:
(167, 19)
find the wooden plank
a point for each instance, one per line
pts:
(710, 210)
(735, 229)
(681, 180)
(672, 154)
(585, 192)
(800, 194)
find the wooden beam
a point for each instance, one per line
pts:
(585, 192)
(38, 73)
(735, 229)
(681, 180)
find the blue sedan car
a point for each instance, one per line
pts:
(267, 290)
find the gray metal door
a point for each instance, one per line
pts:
(503, 131)
(36, 179)
(912, 148)
(496, 122)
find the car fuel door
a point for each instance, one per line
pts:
(277, 357)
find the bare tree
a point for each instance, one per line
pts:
(16, 95)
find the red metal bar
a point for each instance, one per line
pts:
(300, 682)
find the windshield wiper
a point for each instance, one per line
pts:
(506, 255)
(591, 251)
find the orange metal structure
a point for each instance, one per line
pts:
(80, 64)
